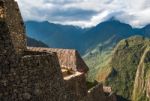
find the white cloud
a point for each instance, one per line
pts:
(86, 13)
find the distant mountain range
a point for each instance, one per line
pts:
(105, 34)
(55, 35)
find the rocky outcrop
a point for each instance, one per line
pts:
(129, 67)
(141, 83)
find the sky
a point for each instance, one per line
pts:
(86, 13)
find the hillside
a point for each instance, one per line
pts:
(141, 85)
(127, 71)
(95, 60)
(101, 42)
(34, 43)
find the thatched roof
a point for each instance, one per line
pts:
(68, 58)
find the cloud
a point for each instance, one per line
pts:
(86, 13)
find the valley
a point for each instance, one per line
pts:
(112, 54)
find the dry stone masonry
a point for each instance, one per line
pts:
(68, 58)
(39, 74)
(14, 22)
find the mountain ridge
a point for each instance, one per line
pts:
(84, 40)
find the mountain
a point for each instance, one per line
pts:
(127, 71)
(34, 43)
(55, 35)
(103, 39)
(94, 44)
(105, 34)
(110, 30)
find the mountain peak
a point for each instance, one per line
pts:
(112, 19)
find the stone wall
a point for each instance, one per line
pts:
(36, 78)
(68, 58)
(76, 83)
(41, 77)
(15, 24)
(12, 36)
(2, 11)
(7, 50)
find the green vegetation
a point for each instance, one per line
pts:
(142, 77)
(125, 60)
(118, 68)
(95, 60)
